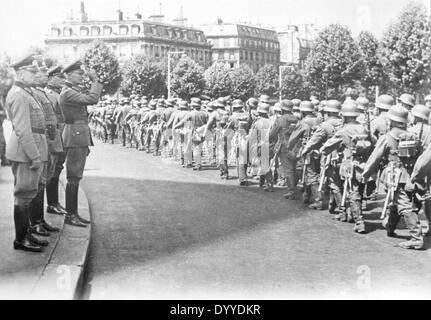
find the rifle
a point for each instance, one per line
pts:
(301, 183)
(393, 179)
(277, 150)
(323, 172)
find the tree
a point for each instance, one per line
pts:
(292, 84)
(333, 63)
(242, 82)
(267, 80)
(372, 73)
(144, 77)
(407, 51)
(218, 80)
(100, 58)
(187, 79)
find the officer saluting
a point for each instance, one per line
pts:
(76, 134)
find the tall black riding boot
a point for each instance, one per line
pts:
(21, 219)
(72, 217)
(54, 206)
(36, 215)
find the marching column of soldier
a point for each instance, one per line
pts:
(339, 155)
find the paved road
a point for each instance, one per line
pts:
(161, 231)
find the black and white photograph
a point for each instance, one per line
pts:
(183, 150)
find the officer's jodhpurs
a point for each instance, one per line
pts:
(75, 163)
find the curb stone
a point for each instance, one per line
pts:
(62, 277)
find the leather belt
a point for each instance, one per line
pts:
(76, 122)
(37, 130)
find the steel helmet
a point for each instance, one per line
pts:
(286, 105)
(296, 103)
(263, 108)
(264, 98)
(210, 106)
(332, 106)
(398, 113)
(237, 104)
(277, 107)
(407, 99)
(195, 102)
(428, 98)
(362, 103)
(349, 109)
(421, 111)
(385, 102)
(252, 103)
(306, 106)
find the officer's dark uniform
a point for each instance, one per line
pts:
(76, 138)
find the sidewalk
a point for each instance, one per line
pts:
(54, 274)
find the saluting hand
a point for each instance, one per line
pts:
(93, 75)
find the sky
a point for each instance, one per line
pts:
(24, 23)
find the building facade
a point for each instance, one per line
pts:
(70, 39)
(243, 44)
(296, 42)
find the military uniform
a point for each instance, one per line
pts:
(53, 95)
(355, 153)
(76, 138)
(4, 161)
(302, 132)
(27, 145)
(323, 133)
(387, 150)
(281, 131)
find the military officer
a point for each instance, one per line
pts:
(4, 161)
(27, 149)
(388, 150)
(76, 134)
(38, 224)
(55, 82)
(280, 133)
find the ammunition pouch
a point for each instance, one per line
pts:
(50, 131)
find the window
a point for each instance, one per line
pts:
(240, 55)
(201, 56)
(232, 42)
(156, 51)
(95, 31)
(55, 32)
(246, 55)
(124, 30)
(226, 55)
(67, 32)
(154, 31)
(226, 42)
(107, 31)
(136, 29)
(83, 31)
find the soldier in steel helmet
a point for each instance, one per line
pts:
(353, 141)
(390, 150)
(298, 139)
(379, 125)
(324, 132)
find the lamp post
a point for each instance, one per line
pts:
(169, 70)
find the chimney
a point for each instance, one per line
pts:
(120, 15)
(83, 15)
(181, 21)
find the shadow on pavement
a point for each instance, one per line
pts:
(175, 216)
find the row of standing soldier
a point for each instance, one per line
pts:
(343, 150)
(47, 109)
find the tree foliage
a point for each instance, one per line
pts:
(334, 62)
(292, 84)
(267, 80)
(242, 82)
(143, 76)
(187, 79)
(372, 73)
(218, 79)
(407, 51)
